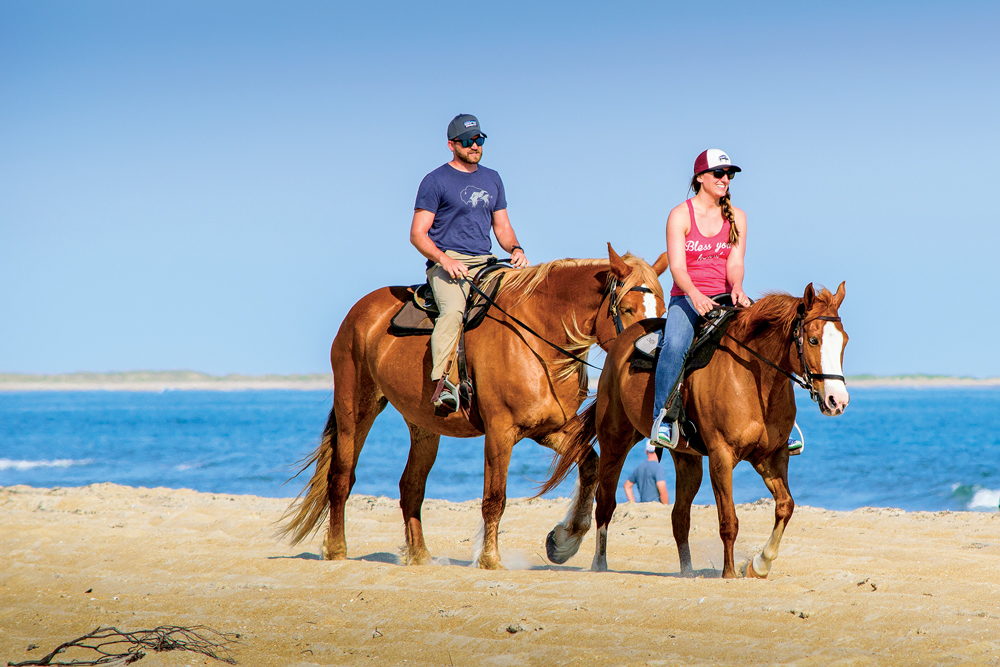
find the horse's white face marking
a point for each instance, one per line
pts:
(831, 352)
(649, 304)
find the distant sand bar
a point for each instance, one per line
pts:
(156, 381)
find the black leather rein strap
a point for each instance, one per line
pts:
(524, 326)
(805, 383)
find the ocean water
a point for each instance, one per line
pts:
(911, 448)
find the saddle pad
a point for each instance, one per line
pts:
(418, 320)
(647, 348)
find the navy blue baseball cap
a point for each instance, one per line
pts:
(464, 126)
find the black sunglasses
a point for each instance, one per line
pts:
(719, 173)
(479, 141)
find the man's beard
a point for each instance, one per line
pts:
(469, 158)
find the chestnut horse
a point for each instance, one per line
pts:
(523, 387)
(743, 405)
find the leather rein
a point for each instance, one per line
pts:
(807, 378)
(613, 309)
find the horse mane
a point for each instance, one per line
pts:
(774, 310)
(522, 282)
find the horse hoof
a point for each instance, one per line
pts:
(333, 554)
(421, 558)
(560, 551)
(552, 550)
(490, 564)
(752, 573)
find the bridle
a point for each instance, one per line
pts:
(797, 334)
(807, 378)
(614, 301)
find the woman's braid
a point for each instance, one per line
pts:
(727, 213)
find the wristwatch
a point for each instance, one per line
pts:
(517, 247)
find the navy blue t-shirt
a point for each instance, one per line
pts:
(463, 204)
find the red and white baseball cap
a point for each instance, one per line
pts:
(713, 158)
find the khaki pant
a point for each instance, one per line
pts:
(450, 295)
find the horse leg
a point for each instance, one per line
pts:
(497, 450)
(617, 436)
(688, 473)
(610, 470)
(774, 471)
(354, 420)
(720, 468)
(564, 540)
(412, 485)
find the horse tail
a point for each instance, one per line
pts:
(581, 434)
(307, 512)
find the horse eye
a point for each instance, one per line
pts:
(813, 340)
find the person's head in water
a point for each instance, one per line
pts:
(713, 173)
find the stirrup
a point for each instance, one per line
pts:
(796, 445)
(655, 439)
(446, 395)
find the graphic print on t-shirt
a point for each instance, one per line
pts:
(705, 250)
(474, 196)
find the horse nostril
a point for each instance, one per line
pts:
(832, 401)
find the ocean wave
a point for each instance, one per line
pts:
(985, 499)
(14, 464)
(976, 497)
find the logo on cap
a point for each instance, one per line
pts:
(723, 157)
(470, 123)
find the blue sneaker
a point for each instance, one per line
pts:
(664, 434)
(795, 446)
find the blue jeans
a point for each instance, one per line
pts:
(678, 332)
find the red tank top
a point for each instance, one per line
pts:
(706, 259)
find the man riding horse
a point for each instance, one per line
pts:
(457, 204)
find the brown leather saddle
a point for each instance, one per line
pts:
(416, 316)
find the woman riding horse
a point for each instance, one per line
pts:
(706, 244)
(742, 404)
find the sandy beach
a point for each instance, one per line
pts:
(871, 586)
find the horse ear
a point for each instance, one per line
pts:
(808, 296)
(661, 264)
(838, 298)
(618, 266)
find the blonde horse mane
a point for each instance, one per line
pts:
(522, 282)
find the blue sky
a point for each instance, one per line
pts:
(210, 186)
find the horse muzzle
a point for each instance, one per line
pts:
(833, 398)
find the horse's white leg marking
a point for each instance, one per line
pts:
(762, 561)
(600, 563)
(830, 355)
(649, 304)
(568, 533)
(573, 509)
(478, 543)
